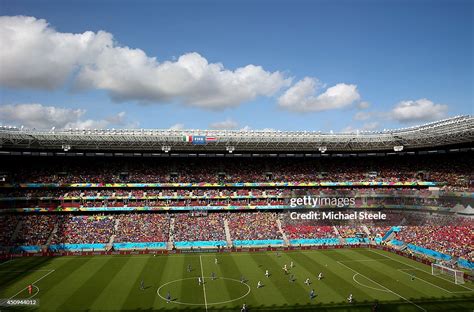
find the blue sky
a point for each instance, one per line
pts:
(318, 65)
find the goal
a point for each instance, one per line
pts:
(453, 274)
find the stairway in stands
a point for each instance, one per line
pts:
(50, 238)
(342, 241)
(17, 230)
(171, 235)
(227, 233)
(112, 237)
(366, 230)
(285, 238)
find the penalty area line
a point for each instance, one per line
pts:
(39, 279)
(388, 289)
(5, 262)
(428, 272)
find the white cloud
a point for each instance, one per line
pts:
(368, 126)
(227, 124)
(34, 55)
(130, 75)
(178, 126)
(118, 119)
(38, 116)
(373, 125)
(363, 105)
(362, 115)
(410, 111)
(302, 96)
(88, 124)
(249, 128)
(421, 110)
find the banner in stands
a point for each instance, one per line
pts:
(203, 184)
(195, 208)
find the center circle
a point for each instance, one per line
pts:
(232, 280)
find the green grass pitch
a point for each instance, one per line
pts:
(111, 283)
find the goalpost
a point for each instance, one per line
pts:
(453, 274)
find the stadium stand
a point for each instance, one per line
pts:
(103, 203)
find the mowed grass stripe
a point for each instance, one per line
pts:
(228, 267)
(67, 277)
(222, 289)
(309, 266)
(97, 276)
(353, 283)
(217, 290)
(121, 285)
(253, 270)
(293, 292)
(152, 273)
(18, 290)
(341, 280)
(191, 291)
(10, 273)
(171, 270)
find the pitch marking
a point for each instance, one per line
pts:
(452, 292)
(388, 289)
(420, 270)
(201, 304)
(203, 283)
(6, 262)
(354, 278)
(39, 279)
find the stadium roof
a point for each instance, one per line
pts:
(452, 131)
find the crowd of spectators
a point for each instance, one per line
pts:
(35, 230)
(378, 231)
(84, 229)
(308, 231)
(132, 228)
(8, 225)
(210, 192)
(449, 235)
(382, 198)
(346, 231)
(453, 169)
(253, 226)
(444, 233)
(208, 227)
(419, 196)
(305, 229)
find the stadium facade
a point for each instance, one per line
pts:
(452, 132)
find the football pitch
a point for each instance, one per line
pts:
(112, 283)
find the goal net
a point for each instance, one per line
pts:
(454, 275)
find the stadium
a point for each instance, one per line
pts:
(203, 220)
(226, 156)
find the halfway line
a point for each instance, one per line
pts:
(203, 283)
